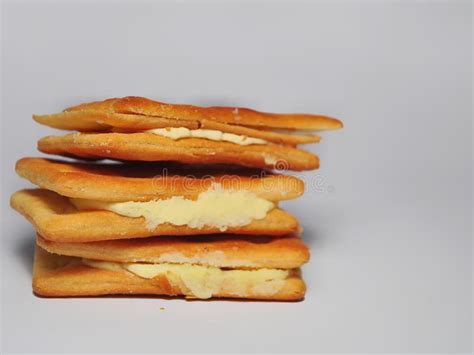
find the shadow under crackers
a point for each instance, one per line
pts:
(173, 298)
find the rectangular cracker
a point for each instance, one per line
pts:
(100, 121)
(232, 115)
(144, 182)
(96, 121)
(55, 218)
(223, 251)
(65, 276)
(151, 147)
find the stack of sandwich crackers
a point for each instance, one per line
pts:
(165, 199)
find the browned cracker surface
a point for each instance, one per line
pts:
(55, 218)
(144, 182)
(65, 276)
(152, 147)
(233, 115)
(224, 251)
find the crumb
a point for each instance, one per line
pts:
(162, 308)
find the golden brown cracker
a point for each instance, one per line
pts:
(144, 182)
(233, 115)
(151, 147)
(63, 276)
(96, 121)
(223, 251)
(56, 219)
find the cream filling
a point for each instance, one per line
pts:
(215, 207)
(211, 134)
(204, 281)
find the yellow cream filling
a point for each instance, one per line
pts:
(204, 281)
(215, 207)
(211, 134)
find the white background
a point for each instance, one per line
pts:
(390, 227)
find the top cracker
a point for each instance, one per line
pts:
(138, 112)
(136, 128)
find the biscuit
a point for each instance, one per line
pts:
(151, 147)
(65, 276)
(56, 219)
(96, 121)
(144, 182)
(231, 115)
(223, 251)
(99, 121)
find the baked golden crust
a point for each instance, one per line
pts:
(56, 219)
(223, 251)
(96, 121)
(151, 147)
(63, 276)
(232, 115)
(100, 121)
(144, 182)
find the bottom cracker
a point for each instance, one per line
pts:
(64, 276)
